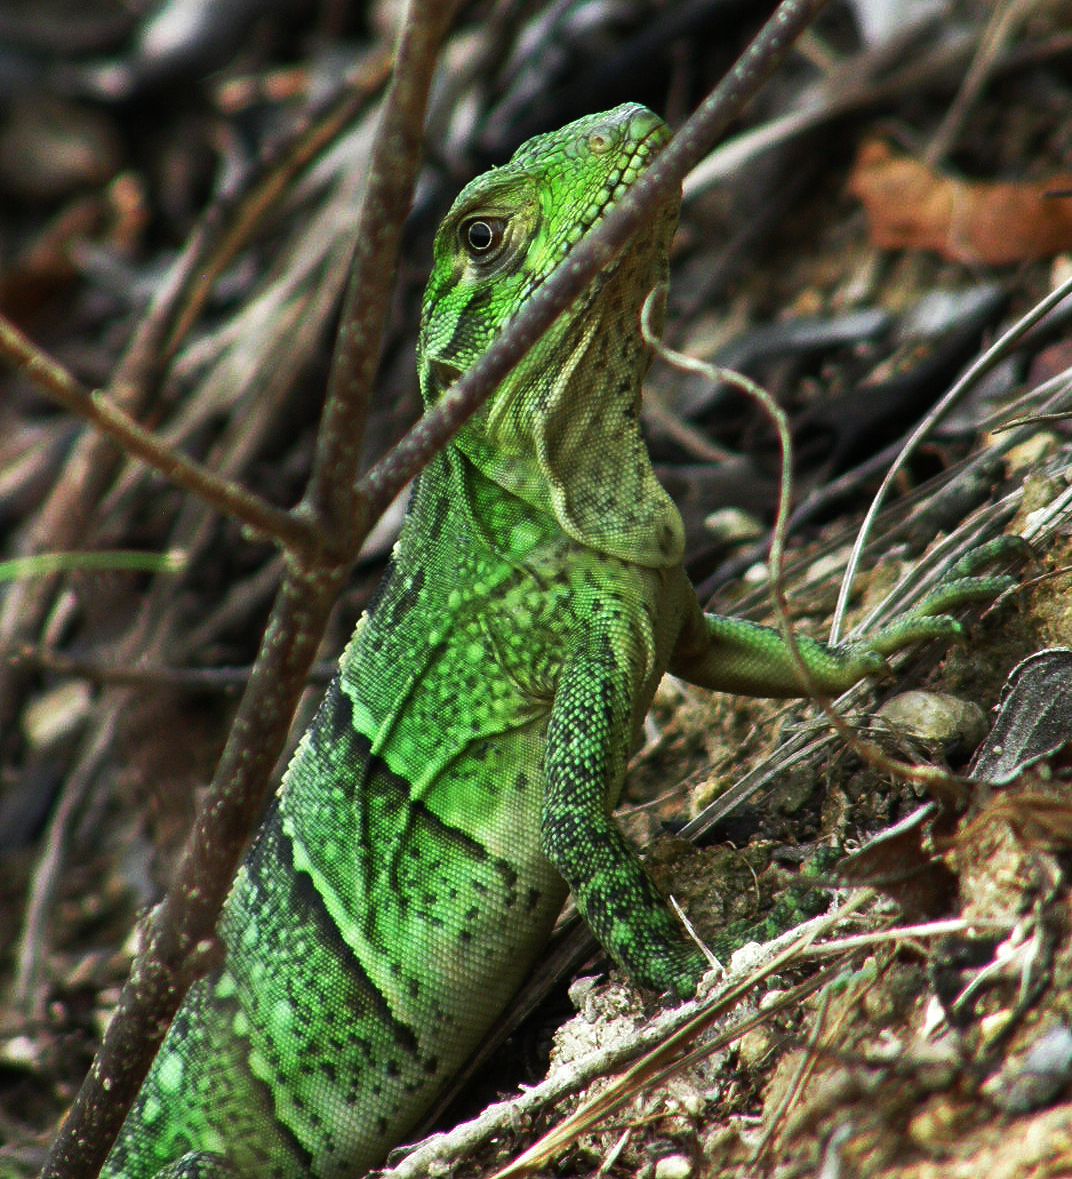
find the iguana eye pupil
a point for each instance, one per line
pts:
(482, 234)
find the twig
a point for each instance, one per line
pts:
(61, 521)
(97, 409)
(996, 352)
(1000, 29)
(183, 924)
(805, 1067)
(686, 1043)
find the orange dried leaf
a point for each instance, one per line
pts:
(912, 206)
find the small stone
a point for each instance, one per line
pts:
(19, 1051)
(733, 525)
(754, 1045)
(935, 1127)
(994, 1024)
(56, 712)
(938, 717)
(674, 1166)
(1041, 1077)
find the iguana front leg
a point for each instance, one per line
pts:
(735, 655)
(590, 726)
(587, 742)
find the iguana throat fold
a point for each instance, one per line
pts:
(562, 431)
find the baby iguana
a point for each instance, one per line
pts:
(460, 773)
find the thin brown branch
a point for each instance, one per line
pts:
(97, 409)
(595, 251)
(181, 931)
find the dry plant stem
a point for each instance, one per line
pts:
(229, 228)
(442, 1153)
(179, 940)
(595, 251)
(801, 1074)
(33, 940)
(225, 680)
(780, 422)
(996, 352)
(1000, 29)
(682, 1047)
(63, 520)
(150, 639)
(94, 407)
(860, 86)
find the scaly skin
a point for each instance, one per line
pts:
(460, 772)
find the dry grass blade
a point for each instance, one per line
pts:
(115, 423)
(679, 1048)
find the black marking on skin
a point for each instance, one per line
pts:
(265, 1099)
(508, 875)
(399, 605)
(333, 725)
(378, 776)
(307, 905)
(462, 334)
(438, 517)
(371, 776)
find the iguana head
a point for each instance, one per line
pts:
(562, 431)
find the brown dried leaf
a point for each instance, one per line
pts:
(912, 206)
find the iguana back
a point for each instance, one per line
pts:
(461, 769)
(398, 891)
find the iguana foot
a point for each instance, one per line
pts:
(930, 620)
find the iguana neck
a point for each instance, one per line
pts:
(562, 432)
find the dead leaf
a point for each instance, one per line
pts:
(912, 206)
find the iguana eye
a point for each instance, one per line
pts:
(482, 235)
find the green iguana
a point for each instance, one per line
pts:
(460, 773)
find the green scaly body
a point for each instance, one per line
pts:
(459, 774)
